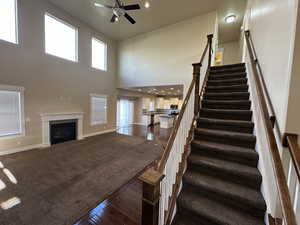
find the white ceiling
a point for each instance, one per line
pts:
(160, 13)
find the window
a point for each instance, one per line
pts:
(98, 109)
(8, 20)
(11, 111)
(99, 54)
(60, 38)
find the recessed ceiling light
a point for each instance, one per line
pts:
(230, 18)
(171, 88)
(147, 4)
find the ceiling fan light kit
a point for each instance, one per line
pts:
(119, 10)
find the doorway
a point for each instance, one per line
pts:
(125, 112)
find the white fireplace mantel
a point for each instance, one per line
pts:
(48, 117)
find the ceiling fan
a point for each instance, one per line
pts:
(119, 9)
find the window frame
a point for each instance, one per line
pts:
(20, 90)
(76, 37)
(93, 123)
(16, 27)
(105, 54)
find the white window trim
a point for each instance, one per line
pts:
(16, 27)
(105, 58)
(91, 109)
(76, 38)
(21, 91)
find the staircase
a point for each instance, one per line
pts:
(221, 185)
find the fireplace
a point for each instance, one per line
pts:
(56, 119)
(62, 131)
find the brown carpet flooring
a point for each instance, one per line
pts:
(58, 185)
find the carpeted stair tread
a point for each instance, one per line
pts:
(221, 184)
(227, 82)
(232, 125)
(215, 211)
(240, 194)
(226, 137)
(231, 114)
(227, 96)
(228, 70)
(224, 169)
(228, 66)
(238, 75)
(227, 104)
(243, 155)
(228, 88)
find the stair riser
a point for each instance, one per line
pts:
(225, 140)
(253, 182)
(192, 216)
(225, 127)
(240, 106)
(227, 71)
(238, 65)
(227, 77)
(226, 97)
(226, 89)
(223, 156)
(233, 201)
(225, 83)
(230, 116)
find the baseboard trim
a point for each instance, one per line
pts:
(21, 149)
(98, 133)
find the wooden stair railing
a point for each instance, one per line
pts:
(291, 142)
(161, 184)
(280, 178)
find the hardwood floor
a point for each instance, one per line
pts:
(150, 133)
(125, 206)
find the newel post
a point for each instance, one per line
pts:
(151, 193)
(196, 77)
(209, 39)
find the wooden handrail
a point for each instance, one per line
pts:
(291, 142)
(195, 82)
(281, 182)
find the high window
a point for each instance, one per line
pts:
(99, 54)
(60, 38)
(8, 21)
(98, 109)
(11, 111)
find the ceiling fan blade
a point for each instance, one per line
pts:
(132, 7)
(102, 5)
(113, 19)
(129, 18)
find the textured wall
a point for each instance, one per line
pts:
(164, 56)
(53, 85)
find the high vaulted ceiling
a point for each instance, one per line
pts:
(160, 13)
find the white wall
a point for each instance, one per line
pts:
(231, 53)
(164, 56)
(53, 85)
(272, 26)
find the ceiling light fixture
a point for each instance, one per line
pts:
(230, 18)
(116, 19)
(147, 4)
